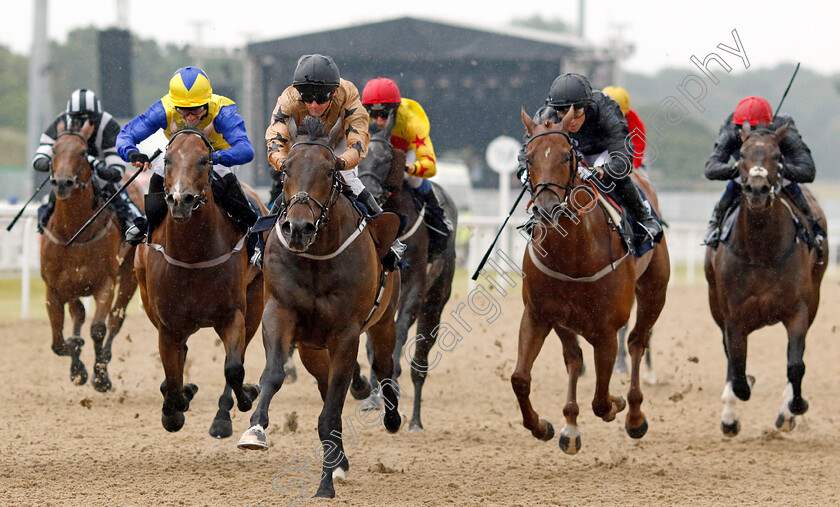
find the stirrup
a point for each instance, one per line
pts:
(652, 229)
(136, 233)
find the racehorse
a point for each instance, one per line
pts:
(580, 279)
(194, 274)
(92, 266)
(325, 285)
(427, 282)
(764, 274)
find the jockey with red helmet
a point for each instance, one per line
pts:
(381, 97)
(634, 123)
(798, 166)
(191, 104)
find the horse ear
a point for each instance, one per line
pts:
(292, 126)
(209, 130)
(389, 125)
(87, 129)
(528, 122)
(337, 133)
(173, 127)
(61, 126)
(567, 119)
(782, 131)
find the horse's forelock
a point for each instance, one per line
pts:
(312, 127)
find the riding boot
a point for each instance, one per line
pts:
(229, 194)
(798, 199)
(127, 212)
(45, 211)
(632, 200)
(370, 203)
(436, 214)
(730, 196)
(156, 211)
(276, 187)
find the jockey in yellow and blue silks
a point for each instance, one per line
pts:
(192, 104)
(381, 97)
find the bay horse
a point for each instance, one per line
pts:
(194, 273)
(427, 282)
(581, 279)
(762, 275)
(97, 264)
(324, 286)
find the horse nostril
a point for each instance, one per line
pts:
(765, 189)
(170, 200)
(308, 229)
(286, 228)
(188, 199)
(748, 188)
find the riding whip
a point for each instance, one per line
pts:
(786, 90)
(487, 255)
(127, 183)
(14, 220)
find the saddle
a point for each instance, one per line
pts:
(632, 234)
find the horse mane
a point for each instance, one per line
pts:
(312, 127)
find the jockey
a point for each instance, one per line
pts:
(381, 97)
(192, 104)
(798, 166)
(318, 90)
(634, 123)
(599, 133)
(82, 107)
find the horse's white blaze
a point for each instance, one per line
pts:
(547, 152)
(729, 414)
(787, 396)
(759, 172)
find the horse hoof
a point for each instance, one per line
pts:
(291, 371)
(372, 402)
(549, 432)
(785, 423)
(566, 444)
(360, 390)
(221, 427)
(415, 426)
(252, 390)
(798, 408)
(78, 373)
(189, 391)
(253, 439)
(637, 432)
(325, 492)
(100, 381)
(172, 422)
(392, 421)
(730, 430)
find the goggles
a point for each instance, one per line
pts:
(184, 111)
(579, 110)
(317, 97)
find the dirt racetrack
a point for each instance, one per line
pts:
(69, 445)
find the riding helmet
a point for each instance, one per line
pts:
(83, 101)
(380, 94)
(190, 87)
(754, 110)
(568, 89)
(317, 72)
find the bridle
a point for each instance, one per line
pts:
(535, 190)
(201, 198)
(303, 197)
(76, 183)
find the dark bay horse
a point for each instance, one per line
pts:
(764, 274)
(427, 283)
(94, 265)
(324, 286)
(579, 279)
(195, 274)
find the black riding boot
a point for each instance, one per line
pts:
(156, 211)
(727, 200)
(276, 187)
(798, 199)
(229, 194)
(45, 211)
(632, 200)
(370, 203)
(436, 217)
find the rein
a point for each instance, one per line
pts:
(567, 188)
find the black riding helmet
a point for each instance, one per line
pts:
(316, 73)
(568, 89)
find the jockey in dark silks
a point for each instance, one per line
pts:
(598, 132)
(797, 164)
(107, 166)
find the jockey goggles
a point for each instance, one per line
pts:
(317, 97)
(379, 113)
(579, 110)
(183, 111)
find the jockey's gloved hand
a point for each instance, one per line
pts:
(734, 171)
(136, 156)
(340, 164)
(42, 164)
(106, 173)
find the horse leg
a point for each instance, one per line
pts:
(573, 358)
(373, 401)
(359, 386)
(127, 288)
(233, 337)
(793, 403)
(531, 338)
(730, 422)
(98, 328)
(426, 338)
(620, 362)
(277, 334)
(176, 395)
(342, 362)
(61, 347)
(382, 337)
(77, 315)
(605, 345)
(222, 426)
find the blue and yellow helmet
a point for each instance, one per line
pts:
(190, 87)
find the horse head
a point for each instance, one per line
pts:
(551, 164)
(310, 182)
(760, 166)
(70, 167)
(375, 169)
(187, 165)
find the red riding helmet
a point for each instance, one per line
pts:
(754, 110)
(380, 93)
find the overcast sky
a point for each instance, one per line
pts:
(664, 33)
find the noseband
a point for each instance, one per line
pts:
(76, 184)
(201, 197)
(303, 197)
(535, 190)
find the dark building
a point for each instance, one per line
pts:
(471, 82)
